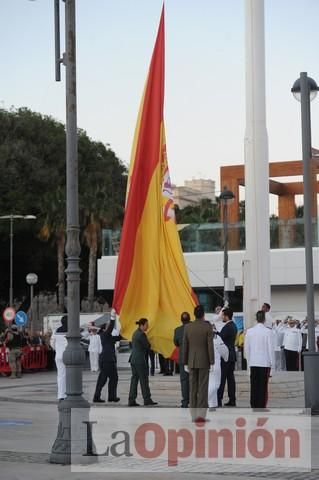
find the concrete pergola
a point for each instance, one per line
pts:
(233, 176)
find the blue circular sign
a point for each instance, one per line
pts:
(21, 318)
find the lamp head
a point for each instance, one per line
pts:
(313, 89)
(226, 196)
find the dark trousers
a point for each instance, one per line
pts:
(166, 365)
(108, 372)
(151, 356)
(227, 373)
(139, 374)
(184, 379)
(259, 377)
(291, 360)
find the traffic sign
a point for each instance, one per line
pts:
(9, 314)
(21, 318)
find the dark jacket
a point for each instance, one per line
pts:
(228, 335)
(108, 344)
(140, 347)
(178, 341)
(13, 339)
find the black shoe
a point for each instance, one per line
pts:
(230, 404)
(116, 399)
(150, 402)
(98, 400)
(184, 406)
(212, 409)
(133, 404)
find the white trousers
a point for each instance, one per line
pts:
(213, 386)
(61, 379)
(94, 361)
(280, 361)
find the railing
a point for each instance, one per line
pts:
(32, 358)
(208, 237)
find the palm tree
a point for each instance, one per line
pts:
(53, 228)
(97, 213)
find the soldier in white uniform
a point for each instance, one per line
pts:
(95, 348)
(279, 331)
(292, 344)
(59, 342)
(259, 354)
(221, 351)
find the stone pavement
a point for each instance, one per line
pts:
(29, 418)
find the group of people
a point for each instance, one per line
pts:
(14, 339)
(206, 358)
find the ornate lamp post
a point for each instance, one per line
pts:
(12, 218)
(31, 279)
(305, 90)
(225, 198)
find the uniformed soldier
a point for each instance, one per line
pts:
(59, 342)
(108, 364)
(183, 375)
(139, 366)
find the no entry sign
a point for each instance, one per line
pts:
(8, 314)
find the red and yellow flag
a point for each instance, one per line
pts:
(151, 278)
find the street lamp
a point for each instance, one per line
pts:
(74, 355)
(305, 90)
(226, 197)
(12, 218)
(31, 279)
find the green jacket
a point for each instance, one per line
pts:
(140, 347)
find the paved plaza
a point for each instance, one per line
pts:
(29, 419)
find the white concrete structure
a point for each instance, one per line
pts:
(205, 269)
(257, 256)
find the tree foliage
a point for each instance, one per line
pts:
(32, 169)
(204, 212)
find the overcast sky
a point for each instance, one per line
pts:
(205, 73)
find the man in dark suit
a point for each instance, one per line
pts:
(228, 335)
(108, 364)
(183, 375)
(198, 360)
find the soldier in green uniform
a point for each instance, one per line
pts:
(139, 365)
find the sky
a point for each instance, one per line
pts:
(205, 73)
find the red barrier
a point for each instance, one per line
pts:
(4, 360)
(33, 358)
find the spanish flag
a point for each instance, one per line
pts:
(151, 278)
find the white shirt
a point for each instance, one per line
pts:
(268, 320)
(95, 343)
(305, 331)
(259, 347)
(58, 342)
(292, 339)
(220, 351)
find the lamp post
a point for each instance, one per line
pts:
(305, 90)
(225, 198)
(31, 279)
(12, 218)
(65, 447)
